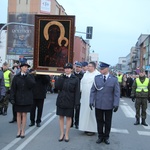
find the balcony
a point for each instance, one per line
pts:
(136, 58)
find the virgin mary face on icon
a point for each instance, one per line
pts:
(54, 33)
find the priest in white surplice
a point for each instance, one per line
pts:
(87, 120)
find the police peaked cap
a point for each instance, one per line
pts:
(68, 65)
(84, 63)
(78, 64)
(24, 64)
(104, 65)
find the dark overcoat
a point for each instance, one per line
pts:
(40, 88)
(69, 91)
(22, 89)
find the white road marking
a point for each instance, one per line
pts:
(144, 133)
(128, 111)
(147, 127)
(28, 140)
(120, 130)
(124, 103)
(11, 144)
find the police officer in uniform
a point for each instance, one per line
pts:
(105, 97)
(78, 73)
(68, 98)
(141, 91)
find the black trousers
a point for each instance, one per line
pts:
(38, 103)
(104, 119)
(76, 116)
(129, 89)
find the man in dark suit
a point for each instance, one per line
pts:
(39, 94)
(104, 96)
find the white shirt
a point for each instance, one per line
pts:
(23, 74)
(68, 75)
(106, 76)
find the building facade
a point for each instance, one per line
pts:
(81, 49)
(20, 40)
(36, 7)
(3, 39)
(139, 55)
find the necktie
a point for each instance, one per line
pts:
(104, 78)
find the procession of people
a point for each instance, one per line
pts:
(88, 94)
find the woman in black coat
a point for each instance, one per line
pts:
(68, 98)
(21, 95)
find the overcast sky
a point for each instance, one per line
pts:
(117, 24)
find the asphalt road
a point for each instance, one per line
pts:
(124, 135)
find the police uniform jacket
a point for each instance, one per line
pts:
(69, 91)
(105, 95)
(22, 89)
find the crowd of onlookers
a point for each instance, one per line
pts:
(126, 83)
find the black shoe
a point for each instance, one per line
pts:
(31, 124)
(76, 126)
(38, 124)
(90, 133)
(99, 140)
(137, 121)
(60, 140)
(12, 121)
(66, 140)
(22, 136)
(144, 123)
(106, 141)
(17, 136)
(5, 113)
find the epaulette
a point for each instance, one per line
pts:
(98, 75)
